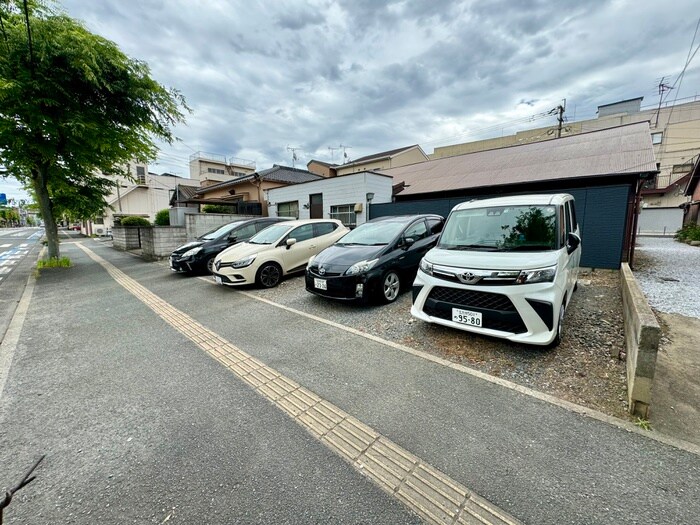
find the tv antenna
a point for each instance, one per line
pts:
(294, 154)
(332, 150)
(345, 153)
(663, 88)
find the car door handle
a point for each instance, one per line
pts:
(402, 257)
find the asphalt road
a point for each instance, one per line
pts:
(140, 426)
(15, 266)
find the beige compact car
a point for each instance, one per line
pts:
(276, 251)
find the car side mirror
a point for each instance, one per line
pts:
(290, 243)
(572, 242)
(408, 241)
(232, 238)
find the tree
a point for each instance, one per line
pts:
(73, 106)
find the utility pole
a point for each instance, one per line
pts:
(663, 87)
(560, 118)
(345, 153)
(294, 155)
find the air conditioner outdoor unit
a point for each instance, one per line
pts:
(358, 207)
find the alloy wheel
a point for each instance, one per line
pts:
(391, 286)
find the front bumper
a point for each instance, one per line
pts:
(519, 313)
(236, 276)
(344, 287)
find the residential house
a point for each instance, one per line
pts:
(142, 194)
(377, 161)
(344, 197)
(212, 168)
(246, 193)
(603, 170)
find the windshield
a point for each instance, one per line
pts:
(223, 230)
(270, 234)
(373, 233)
(501, 228)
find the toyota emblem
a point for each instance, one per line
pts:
(322, 271)
(469, 278)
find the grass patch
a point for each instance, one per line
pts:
(54, 262)
(643, 423)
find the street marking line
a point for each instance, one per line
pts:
(432, 495)
(547, 398)
(5, 245)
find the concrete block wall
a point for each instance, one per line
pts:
(642, 336)
(125, 237)
(198, 224)
(159, 242)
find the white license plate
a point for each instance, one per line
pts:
(466, 317)
(218, 279)
(320, 284)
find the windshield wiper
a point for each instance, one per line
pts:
(483, 247)
(526, 247)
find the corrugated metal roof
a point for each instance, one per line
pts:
(619, 150)
(276, 173)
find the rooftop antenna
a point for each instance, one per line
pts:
(663, 87)
(345, 153)
(332, 150)
(294, 154)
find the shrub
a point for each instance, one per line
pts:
(163, 218)
(689, 232)
(218, 208)
(135, 221)
(54, 262)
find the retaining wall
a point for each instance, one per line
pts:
(126, 237)
(159, 242)
(642, 335)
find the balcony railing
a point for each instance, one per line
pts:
(215, 157)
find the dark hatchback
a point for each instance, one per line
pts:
(375, 260)
(198, 256)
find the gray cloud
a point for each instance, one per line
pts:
(379, 75)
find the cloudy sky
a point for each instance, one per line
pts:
(264, 75)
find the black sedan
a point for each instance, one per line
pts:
(198, 256)
(375, 260)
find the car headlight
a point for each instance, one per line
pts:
(193, 251)
(311, 260)
(242, 263)
(426, 267)
(540, 275)
(361, 267)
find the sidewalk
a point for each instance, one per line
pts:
(188, 418)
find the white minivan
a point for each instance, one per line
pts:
(504, 267)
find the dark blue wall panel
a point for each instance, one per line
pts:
(601, 213)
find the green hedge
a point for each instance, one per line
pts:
(218, 208)
(135, 221)
(163, 218)
(689, 232)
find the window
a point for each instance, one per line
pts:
(302, 233)
(435, 225)
(288, 209)
(244, 232)
(141, 174)
(345, 213)
(656, 138)
(567, 212)
(237, 173)
(325, 228)
(574, 222)
(416, 231)
(215, 170)
(562, 227)
(99, 220)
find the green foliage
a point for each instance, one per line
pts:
(135, 221)
(218, 208)
(30, 220)
(53, 262)
(643, 423)
(73, 106)
(8, 217)
(532, 227)
(689, 232)
(163, 218)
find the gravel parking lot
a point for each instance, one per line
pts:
(580, 370)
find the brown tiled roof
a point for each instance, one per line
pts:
(620, 150)
(276, 173)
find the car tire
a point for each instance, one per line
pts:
(269, 275)
(560, 326)
(389, 287)
(209, 264)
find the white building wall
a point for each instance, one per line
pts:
(346, 189)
